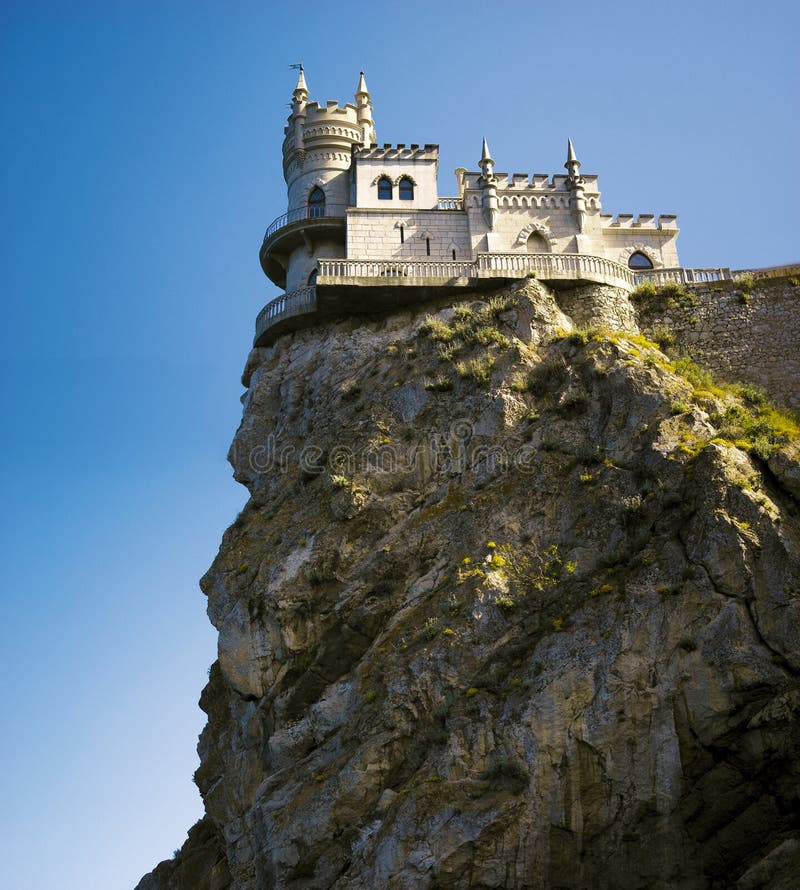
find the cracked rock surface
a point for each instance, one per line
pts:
(498, 614)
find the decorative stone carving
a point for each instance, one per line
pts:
(539, 227)
(651, 254)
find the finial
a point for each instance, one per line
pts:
(301, 80)
(485, 155)
(362, 86)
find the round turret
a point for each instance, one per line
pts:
(317, 155)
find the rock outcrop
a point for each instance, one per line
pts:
(511, 605)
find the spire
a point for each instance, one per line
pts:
(301, 90)
(485, 155)
(573, 164)
(362, 87)
(571, 156)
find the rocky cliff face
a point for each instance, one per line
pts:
(511, 605)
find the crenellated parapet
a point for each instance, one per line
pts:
(401, 151)
(666, 222)
(529, 182)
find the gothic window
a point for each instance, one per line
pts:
(537, 244)
(638, 260)
(406, 189)
(384, 189)
(316, 202)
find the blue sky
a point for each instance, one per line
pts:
(141, 164)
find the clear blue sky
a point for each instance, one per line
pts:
(141, 164)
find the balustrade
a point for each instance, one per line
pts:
(310, 212)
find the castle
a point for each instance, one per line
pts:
(366, 228)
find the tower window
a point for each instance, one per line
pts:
(639, 260)
(406, 189)
(384, 189)
(428, 246)
(402, 235)
(316, 202)
(454, 253)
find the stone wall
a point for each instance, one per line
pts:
(375, 234)
(597, 305)
(746, 335)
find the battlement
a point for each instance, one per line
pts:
(666, 221)
(318, 111)
(534, 182)
(398, 152)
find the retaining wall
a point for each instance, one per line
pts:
(746, 336)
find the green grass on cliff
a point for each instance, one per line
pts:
(746, 418)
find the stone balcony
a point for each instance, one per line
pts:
(363, 286)
(290, 230)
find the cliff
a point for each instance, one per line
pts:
(512, 604)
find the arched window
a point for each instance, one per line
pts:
(316, 202)
(384, 189)
(537, 243)
(406, 189)
(638, 260)
(312, 278)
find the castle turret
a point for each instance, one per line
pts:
(298, 118)
(575, 184)
(317, 154)
(364, 104)
(489, 183)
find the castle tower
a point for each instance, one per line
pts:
(317, 153)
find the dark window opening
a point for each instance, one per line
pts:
(639, 260)
(454, 253)
(406, 189)
(402, 235)
(312, 278)
(428, 246)
(384, 189)
(316, 202)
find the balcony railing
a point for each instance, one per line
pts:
(321, 211)
(701, 276)
(298, 302)
(382, 269)
(793, 269)
(681, 276)
(547, 266)
(555, 266)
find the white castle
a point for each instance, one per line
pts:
(366, 228)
